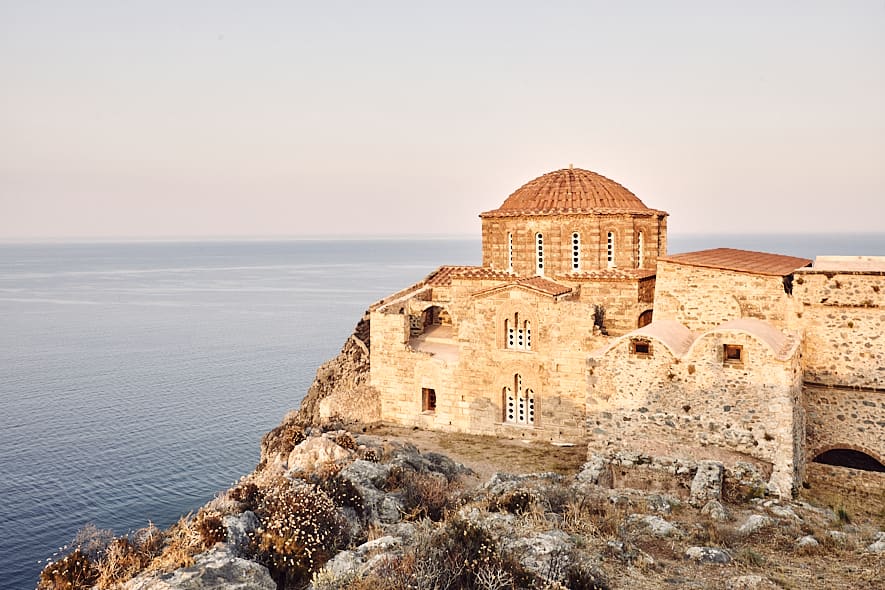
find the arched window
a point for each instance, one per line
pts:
(539, 254)
(518, 334)
(640, 246)
(510, 251)
(519, 403)
(576, 251)
(610, 250)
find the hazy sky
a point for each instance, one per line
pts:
(217, 118)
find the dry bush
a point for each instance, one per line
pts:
(424, 495)
(301, 529)
(346, 440)
(344, 493)
(282, 439)
(122, 560)
(182, 542)
(246, 493)
(211, 528)
(72, 572)
(514, 502)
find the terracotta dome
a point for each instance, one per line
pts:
(570, 190)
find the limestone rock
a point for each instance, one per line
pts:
(878, 544)
(314, 452)
(596, 471)
(715, 510)
(655, 525)
(216, 569)
(807, 541)
(750, 582)
(536, 552)
(754, 523)
(238, 528)
(707, 483)
(707, 555)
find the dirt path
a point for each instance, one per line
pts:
(486, 454)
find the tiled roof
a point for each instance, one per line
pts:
(611, 274)
(544, 285)
(537, 284)
(761, 263)
(570, 191)
(443, 276)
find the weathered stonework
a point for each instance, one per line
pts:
(552, 338)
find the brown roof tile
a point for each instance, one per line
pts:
(544, 285)
(611, 274)
(569, 191)
(761, 263)
(443, 276)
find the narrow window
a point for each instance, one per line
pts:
(733, 354)
(639, 248)
(576, 251)
(519, 403)
(640, 348)
(428, 399)
(510, 251)
(517, 333)
(610, 250)
(539, 251)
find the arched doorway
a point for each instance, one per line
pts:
(850, 458)
(644, 318)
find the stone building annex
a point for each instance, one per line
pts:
(579, 327)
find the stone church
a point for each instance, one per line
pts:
(579, 328)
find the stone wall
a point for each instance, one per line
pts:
(697, 406)
(622, 300)
(844, 418)
(702, 298)
(861, 487)
(843, 316)
(557, 232)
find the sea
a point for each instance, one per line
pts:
(137, 378)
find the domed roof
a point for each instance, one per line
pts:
(570, 190)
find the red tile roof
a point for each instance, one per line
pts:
(545, 286)
(442, 277)
(611, 274)
(748, 261)
(570, 190)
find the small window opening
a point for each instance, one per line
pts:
(640, 244)
(733, 354)
(428, 400)
(518, 333)
(640, 348)
(519, 403)
(539, 251)
(576, 251)
(610, 250)
(510, 251)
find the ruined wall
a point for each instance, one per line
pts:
(696, 405)
(702, 298)
(557, 231)
(844, 418)
(843, 316)
(862, 487)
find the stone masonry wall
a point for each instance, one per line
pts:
(702, 298)
(843, 317)
(557, 232)
(697, 406)
(844, 418)
(864, 487)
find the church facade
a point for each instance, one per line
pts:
(579, 328)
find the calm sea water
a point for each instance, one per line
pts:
(136, 379)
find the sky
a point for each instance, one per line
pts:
(167, 119)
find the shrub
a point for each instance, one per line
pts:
(515, 502)
(300, 530)
(346, 440)
(344, 493)
(73, 571)
(211, 528)
(246, 494)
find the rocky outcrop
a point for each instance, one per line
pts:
(216, 569)
(340, 390)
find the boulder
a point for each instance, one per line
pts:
(707, 555)
(216, 569)
(750, 582)
(807, 541)
(707, 483)
(315, 452)
(878, 544)
(537, 552)
(239, 527)
(715, 510)
(656, 526)
(754, 523)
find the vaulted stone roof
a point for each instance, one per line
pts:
(536, 284)
(571, 190)
(761, 263)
